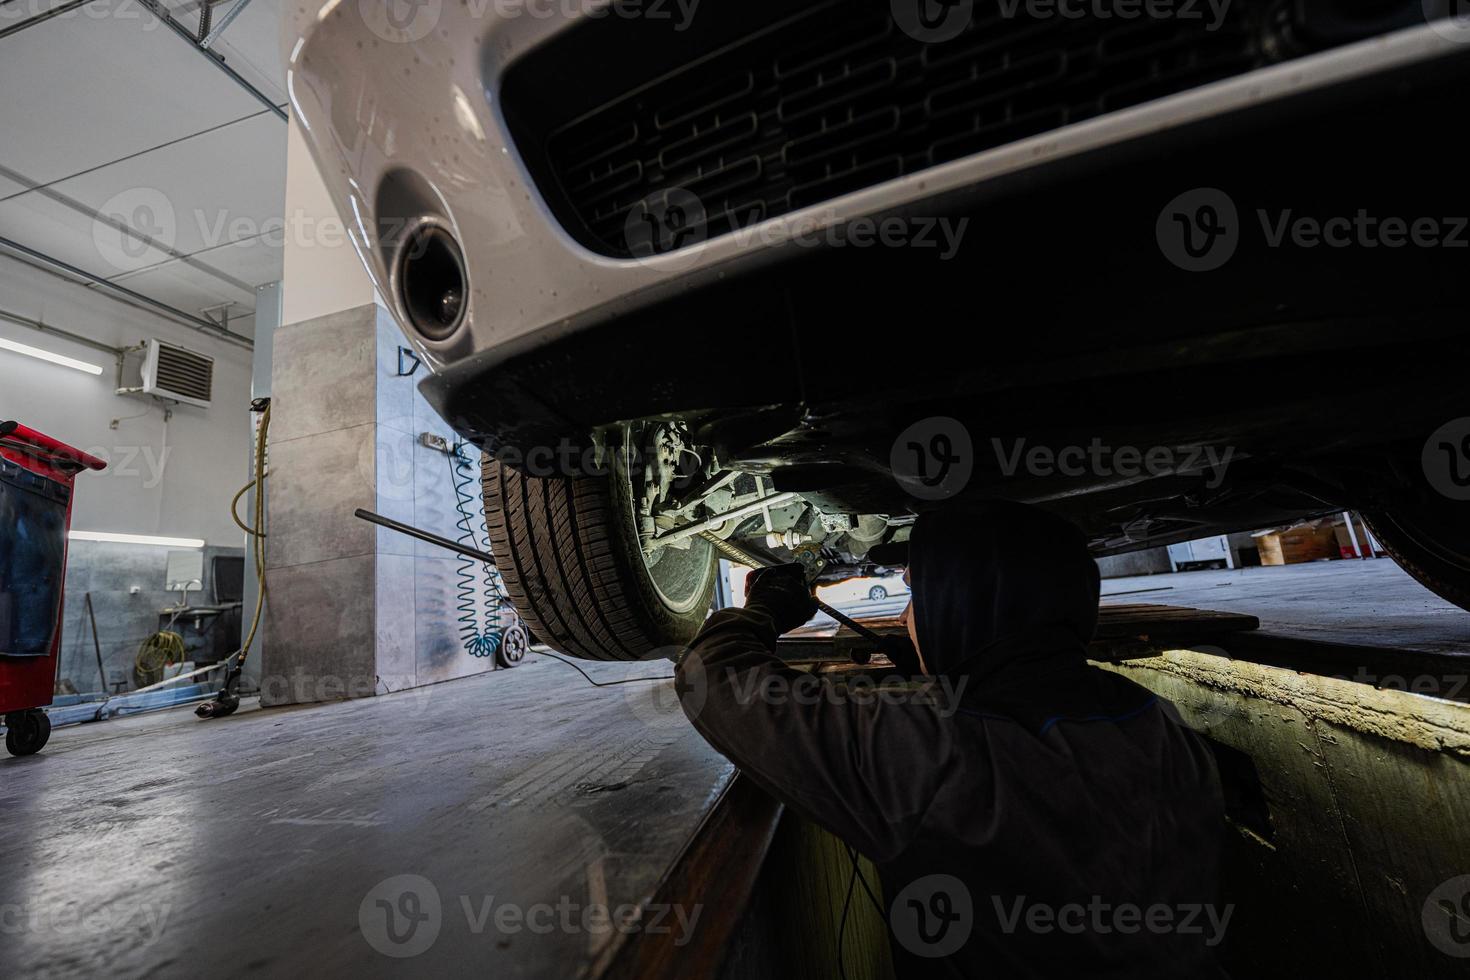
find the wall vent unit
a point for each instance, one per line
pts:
(166, 370)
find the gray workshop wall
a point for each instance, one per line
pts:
(353, 609)
(1149, 561)
(109, 571)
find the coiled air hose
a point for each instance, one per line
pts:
(161, 650)
(474, 592)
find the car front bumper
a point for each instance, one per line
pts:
(387, 104)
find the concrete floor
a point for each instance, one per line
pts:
(159, 845)
(1352, 602)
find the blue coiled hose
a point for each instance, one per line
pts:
(473, 592)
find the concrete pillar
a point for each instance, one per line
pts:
(352, 609)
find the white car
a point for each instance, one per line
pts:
(784, 274)
(863, 589)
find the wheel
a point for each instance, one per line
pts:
(513, 646)
(877, 593)
(568, 551)
(26, 732)
(1431, 541)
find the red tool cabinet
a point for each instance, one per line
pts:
(36, 486)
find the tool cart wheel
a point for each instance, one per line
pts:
(513, 646)
(26, 732)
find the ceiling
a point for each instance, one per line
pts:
(127, 154)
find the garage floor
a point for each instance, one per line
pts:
(1370, 602)
(160, 845)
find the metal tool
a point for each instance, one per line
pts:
(733, 552)
(414, 532)
(742, 557)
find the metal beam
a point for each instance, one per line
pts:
(157, 9)
(189, 320)
(167, 20)
(225, 21)
(41, 18)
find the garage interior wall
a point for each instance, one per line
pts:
(172, 478)
(354, 610)
(175, 478)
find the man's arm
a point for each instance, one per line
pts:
(865, 767)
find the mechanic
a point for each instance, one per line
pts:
(1058, 820)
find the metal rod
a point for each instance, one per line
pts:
(225, 21)
(197, 323)
(732, 552)
(96, 643)
(742, 557)
(41, 18)
(163, 15)
(75, 338)
(424, 536)
(690, 530)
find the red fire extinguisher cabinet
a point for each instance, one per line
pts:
(37, 474)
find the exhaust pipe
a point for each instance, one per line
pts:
(432, 285)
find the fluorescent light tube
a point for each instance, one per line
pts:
(46, 355)
(136, 539)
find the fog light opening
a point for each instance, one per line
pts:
(431, 281)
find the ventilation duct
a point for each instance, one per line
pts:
(166, 370)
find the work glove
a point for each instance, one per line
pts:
(782, 593)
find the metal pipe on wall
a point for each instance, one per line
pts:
(74, 338)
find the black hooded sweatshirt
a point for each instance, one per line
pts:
(1030, 815)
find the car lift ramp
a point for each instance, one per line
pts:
(1123, 632)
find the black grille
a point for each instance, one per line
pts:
(832, 100)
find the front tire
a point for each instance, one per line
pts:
(568, 551)
(1430, 541)
(877, 594)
